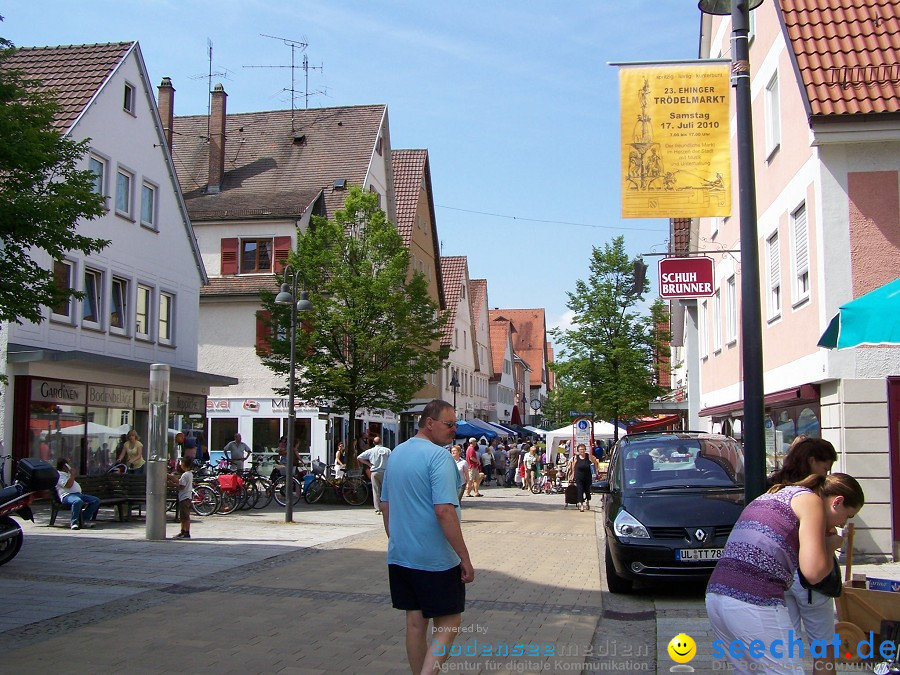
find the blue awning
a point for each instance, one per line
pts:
(466, 430)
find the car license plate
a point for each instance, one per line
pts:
(697, 554)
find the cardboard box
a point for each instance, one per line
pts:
(883, 584)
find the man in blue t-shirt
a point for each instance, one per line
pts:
(428, 563)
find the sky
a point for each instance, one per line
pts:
(514, 100)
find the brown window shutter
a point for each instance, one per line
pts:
(263, 331)
(282, 249)
(230, 256)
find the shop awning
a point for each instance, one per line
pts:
(26, 354)
(870, 319)
(665, 423)
(807, 393)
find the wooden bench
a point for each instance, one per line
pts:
(106, 487)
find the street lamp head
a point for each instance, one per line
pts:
(284, 297)
(454, 381)
(303, 304)
(723, 7)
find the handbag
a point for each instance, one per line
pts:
(831, 585)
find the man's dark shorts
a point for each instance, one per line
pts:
(434, 593)
(184, 511)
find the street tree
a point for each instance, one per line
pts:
(612, 351)
(565, 397)
(43, 196)
(374, 333)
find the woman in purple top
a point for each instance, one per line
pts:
(776, 534)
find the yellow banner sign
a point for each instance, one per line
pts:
(675, 141)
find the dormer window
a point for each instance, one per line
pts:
(256, 255)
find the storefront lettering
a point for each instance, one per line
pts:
(41, 390)
(218, 405)
(186, 403)
(111, 397)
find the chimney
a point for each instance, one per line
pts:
(165, 102)
(216, 139)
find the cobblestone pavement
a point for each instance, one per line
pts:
(250, 593)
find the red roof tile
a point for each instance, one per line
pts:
(478, 292)
(847, 53)
(409, 172)
(529, 337)
(249, 284)
(265, 166)
(499, 329)
(73, 72)
(454, 270)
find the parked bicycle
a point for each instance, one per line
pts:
(351, 488)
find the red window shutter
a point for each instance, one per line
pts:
(282, 249)
(263, 331)
(230, 256)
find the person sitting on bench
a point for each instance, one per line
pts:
(69, 492)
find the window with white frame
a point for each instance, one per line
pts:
(63, 272)
(124, 183)
(128, 98)
(773, 116)
(731, 310)
(118, 305)
(97, 166)
(717, 321)
(703, 330)
(148, 205)
(143, 300)
(773, 263)
(800, 228)
(166, 314)
(92, 303)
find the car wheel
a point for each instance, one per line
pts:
(614, 582)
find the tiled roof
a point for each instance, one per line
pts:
(73, 72)
(681, 235)
(478, 293)
(499, 330)
(529, 337)
(454, 270)
(550, 374)
(263, 157)
(409, 171)
(250, 284)
(847, 53)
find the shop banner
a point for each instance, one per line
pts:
(675, 140)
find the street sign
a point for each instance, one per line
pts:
(686, 278)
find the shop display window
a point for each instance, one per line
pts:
(56, 430)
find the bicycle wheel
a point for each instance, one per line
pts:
(355, 491)
(315, 490)
(250, 494)
(278, 491)
(231, 500)
(536, 488)
(204, 501)
(264, 493)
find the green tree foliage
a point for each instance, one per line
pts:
(564, 398)
(612, 351)
(42, 196)
(373, 334)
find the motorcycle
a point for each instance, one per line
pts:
(14, 501)
(34, 478)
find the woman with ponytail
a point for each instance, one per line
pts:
(777, 533)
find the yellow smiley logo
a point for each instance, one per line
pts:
(682, 648)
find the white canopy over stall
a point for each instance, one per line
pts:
(557, 437)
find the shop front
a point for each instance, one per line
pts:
(788, 413)
(263, 423)
(85, 422)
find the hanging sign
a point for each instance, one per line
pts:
(686, 278)
(675, 140)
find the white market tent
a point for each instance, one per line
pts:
(555, 438)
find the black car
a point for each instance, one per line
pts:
(670, 501)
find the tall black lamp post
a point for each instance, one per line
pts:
(751, 333)
(286, 297)
(454, 385)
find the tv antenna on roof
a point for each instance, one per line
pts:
(219, 73)
(294, 45)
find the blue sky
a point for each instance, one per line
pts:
(514, 101)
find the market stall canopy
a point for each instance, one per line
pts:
(487, 426)
(466, 430)
(870, 319)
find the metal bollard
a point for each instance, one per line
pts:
(156, 500)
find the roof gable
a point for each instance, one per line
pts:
(847, 54)
(279, 159)
(74, 73)
(529, 337)
(500, 330)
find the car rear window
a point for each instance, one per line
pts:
(682, 462)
